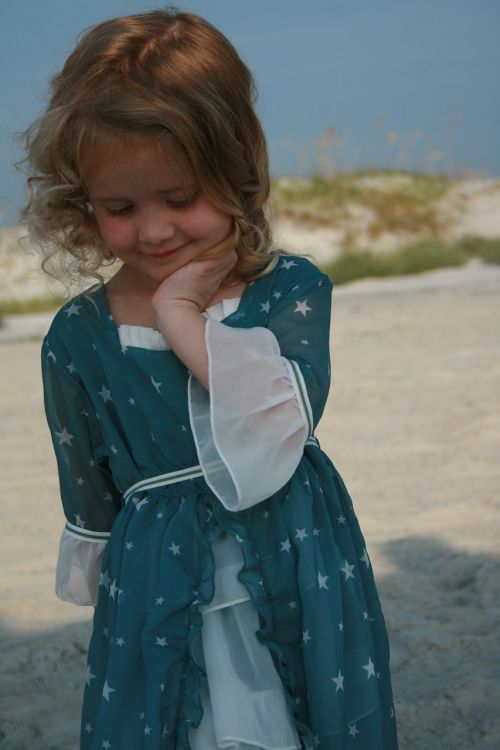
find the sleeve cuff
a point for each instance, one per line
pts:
(79, 565)
(250, 428)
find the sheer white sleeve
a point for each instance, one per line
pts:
(250, 428)
(78, 568)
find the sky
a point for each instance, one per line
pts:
(343, 84)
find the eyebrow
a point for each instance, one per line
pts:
(176, 189)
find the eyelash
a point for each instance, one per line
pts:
(173, 204)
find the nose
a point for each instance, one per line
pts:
(155, 226)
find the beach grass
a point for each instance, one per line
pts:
(425, 255)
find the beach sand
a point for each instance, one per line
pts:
(413, 426)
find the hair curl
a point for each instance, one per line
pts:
(152, 74)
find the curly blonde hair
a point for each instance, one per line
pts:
(152, 74)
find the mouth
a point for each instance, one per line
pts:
(165, 253)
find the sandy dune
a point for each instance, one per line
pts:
(412, 424)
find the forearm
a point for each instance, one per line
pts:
(183, 326)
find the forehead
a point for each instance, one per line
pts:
(114, 161)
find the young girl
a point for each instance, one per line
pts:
(235, 601)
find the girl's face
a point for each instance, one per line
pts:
(148, 205)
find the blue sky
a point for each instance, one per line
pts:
(427, 73)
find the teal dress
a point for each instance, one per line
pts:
(193, 516)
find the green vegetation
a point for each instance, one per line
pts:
(421, 256)
(399, 200)
(26, 307)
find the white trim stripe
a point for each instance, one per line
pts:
(87, 534)
(191, 472)
(303, 398)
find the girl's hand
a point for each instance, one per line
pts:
(194, 284)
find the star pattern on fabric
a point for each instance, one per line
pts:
(105, 394)
(370, 668)
(104, 579)
(347, 570)
(364, 558)
(301, 534)
(89, 676)
(322, 581)
(161, 641)
(353, 730)
(73, 309)
(265, 306)
(156, 384)
(64, 437)
(71, 368)
(285, 546)
(306, 637)
(113, 590)
(175, 549)
(287, 264)
(107, 690)
(339, 681)
(302, 307)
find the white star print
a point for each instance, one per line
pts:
(113, 589)
(139, 503)
(64, 437)
(119, 641)
(131, 401)
(301, 534)
(106, 745)
(79, 522)
(365, 558)
(108, 496)
(147, 730)
(104, 579)
(347, 570)
(277, 295)
(288, 264)
(52, 355)
(305, 636)
(71, 367)
(339, 681)
(72, 310)
(265, 514)
(89, 676)
(160, 600)
(302, 307)
(341, 626)
(369, 668)
(107, 690)
(353, 730)
(80, 481)
(265, 306)
(322, 581)
(175, 548)
(156, 385)
(315, 532)
(305, 342)
(341, 519)
(161, 641)
(285, 546)
(88, 727)
(105, 394)
(292, 604)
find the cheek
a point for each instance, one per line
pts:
(114, 234)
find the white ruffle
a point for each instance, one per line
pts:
(255, 415)
(78, 569)
(243, 699)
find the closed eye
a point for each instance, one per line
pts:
(118, 211)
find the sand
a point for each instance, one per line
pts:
(412, 424)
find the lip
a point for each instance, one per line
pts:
(165, 253)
